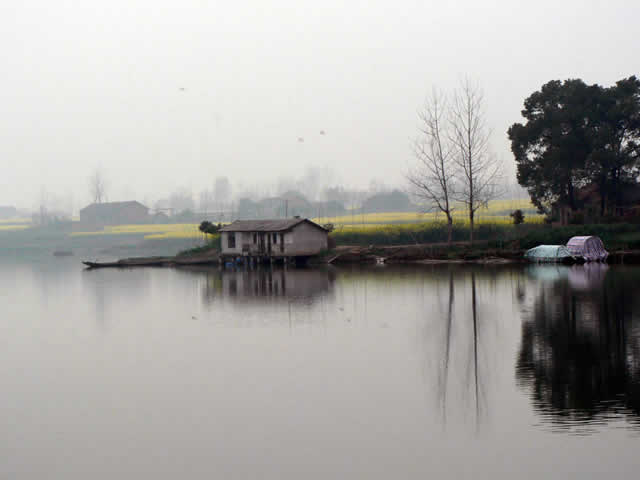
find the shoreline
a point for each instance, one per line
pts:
(350, 255)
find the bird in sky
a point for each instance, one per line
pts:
(300, 139)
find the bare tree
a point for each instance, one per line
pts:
(98, 186)
(479, 169)
(433, 180)
(222, 193)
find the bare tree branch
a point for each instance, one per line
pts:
(433, 179)
(479, 170)
(98, 186)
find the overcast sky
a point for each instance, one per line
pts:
(167, 94)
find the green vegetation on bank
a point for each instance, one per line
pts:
(502, 236)
(618, 236)
(432, 232)
(213, 243)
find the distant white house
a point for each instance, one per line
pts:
(291, 237)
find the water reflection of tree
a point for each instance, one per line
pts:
(580, 350)
(463, 371)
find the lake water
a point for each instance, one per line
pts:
(376, 373)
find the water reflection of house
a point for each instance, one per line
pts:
(276, 283)
(261, 284)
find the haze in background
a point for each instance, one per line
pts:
(162, 95)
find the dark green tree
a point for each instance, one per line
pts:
(552, 147)
(210, 228)
(577, 134)
(616, 143)
(518, 217)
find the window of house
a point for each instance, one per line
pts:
(275, 237)
(231, 240)
(255, 238)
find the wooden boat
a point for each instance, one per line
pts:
(155, 262)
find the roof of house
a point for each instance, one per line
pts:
(111, 206)
(279, 225)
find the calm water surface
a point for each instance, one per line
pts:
(432, 372)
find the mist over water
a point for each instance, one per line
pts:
(382, 372)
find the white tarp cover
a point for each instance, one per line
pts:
(590, 248)
(548, 253)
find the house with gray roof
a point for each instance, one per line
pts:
(115, 213)
(282, 238)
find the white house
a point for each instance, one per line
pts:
(291, 237)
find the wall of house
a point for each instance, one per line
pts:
(241, 238)
(304, 240)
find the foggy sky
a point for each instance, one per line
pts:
(170, 94)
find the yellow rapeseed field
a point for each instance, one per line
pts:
(497, 213)
(15, 221)
(175, 230)
(11, 227)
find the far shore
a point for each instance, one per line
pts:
(429, 254)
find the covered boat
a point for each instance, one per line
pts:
(590, 248)
(549, 254)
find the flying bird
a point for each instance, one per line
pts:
(321, 132)
(300, 139)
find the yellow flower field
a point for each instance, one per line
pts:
(13, 226)
(488, 215)
(15, 221)
(176, 230)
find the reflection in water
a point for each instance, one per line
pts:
(580, 357)
(463, 336)
(109, 287)
(244, 285)
(381, 372)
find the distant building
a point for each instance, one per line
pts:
(8, 212)
(160, 217)
(114, 213)
(291, 237)
(589, 207)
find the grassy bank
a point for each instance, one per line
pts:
(489, 235)
(621, 236)
(432, 232)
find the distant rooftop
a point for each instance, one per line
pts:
(111, 206)
(278, 225)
